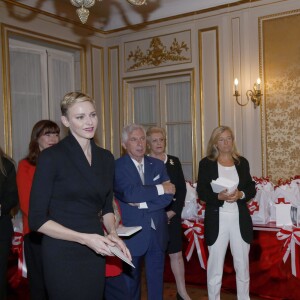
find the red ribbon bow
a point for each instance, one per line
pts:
(195, 236)
(282, 200)
(17, 247)
(291, 237)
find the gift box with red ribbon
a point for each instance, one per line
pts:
(290, 235)
(260, 206)
(195, 234)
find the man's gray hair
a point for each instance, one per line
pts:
(129, 129)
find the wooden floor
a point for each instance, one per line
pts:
(195, 292)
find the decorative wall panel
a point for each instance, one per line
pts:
(209, 82)
(97, 65)
(281, 47)
(115, 120)
(159, 51)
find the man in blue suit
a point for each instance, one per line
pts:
(143, 189)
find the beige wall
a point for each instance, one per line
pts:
(282, 94)
(222, 44)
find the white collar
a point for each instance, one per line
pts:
(136, 163)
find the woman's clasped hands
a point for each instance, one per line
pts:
(229, 197)
(100, 244)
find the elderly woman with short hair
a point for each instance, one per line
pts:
(156, 139)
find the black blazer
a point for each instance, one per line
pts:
(68, 190)
(208, 171)
(8, 198)
(175, 173)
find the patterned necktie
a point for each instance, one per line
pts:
(140, 169)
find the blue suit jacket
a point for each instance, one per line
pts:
(129, 188)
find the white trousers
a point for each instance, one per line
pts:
(229, 232)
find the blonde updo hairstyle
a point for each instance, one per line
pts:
(73, 98)
(155, 129)
(212, 150)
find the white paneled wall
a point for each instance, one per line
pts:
(224, 44)
(97, 67)
(114, 93)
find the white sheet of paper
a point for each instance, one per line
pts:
(127, 231)
(117, 252)
(222, 184)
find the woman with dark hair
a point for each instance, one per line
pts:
(227, 218)
(45, 134)
(8, 200)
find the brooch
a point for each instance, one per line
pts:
(171, 162)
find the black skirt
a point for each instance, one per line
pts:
(175, 235)
(72, 271)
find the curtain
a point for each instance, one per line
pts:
(167, 103)
(179, 124)
(26, 97)
(39, 78)
(145, 105)
(60, 81)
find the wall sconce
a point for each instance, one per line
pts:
(253, 95)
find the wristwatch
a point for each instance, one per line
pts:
(243, 195)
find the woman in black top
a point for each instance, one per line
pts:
(72, 189)
(156, 139)
(8, 200)
(227, 218)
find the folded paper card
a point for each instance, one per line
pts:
(127, 231)
(222, 184)
(117, 252)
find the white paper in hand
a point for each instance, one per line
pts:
(127, 231)
(222, 184)
(117, 252)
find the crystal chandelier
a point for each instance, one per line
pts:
(83, 5)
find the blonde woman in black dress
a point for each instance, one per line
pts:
(156, 140)
(72, 188)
